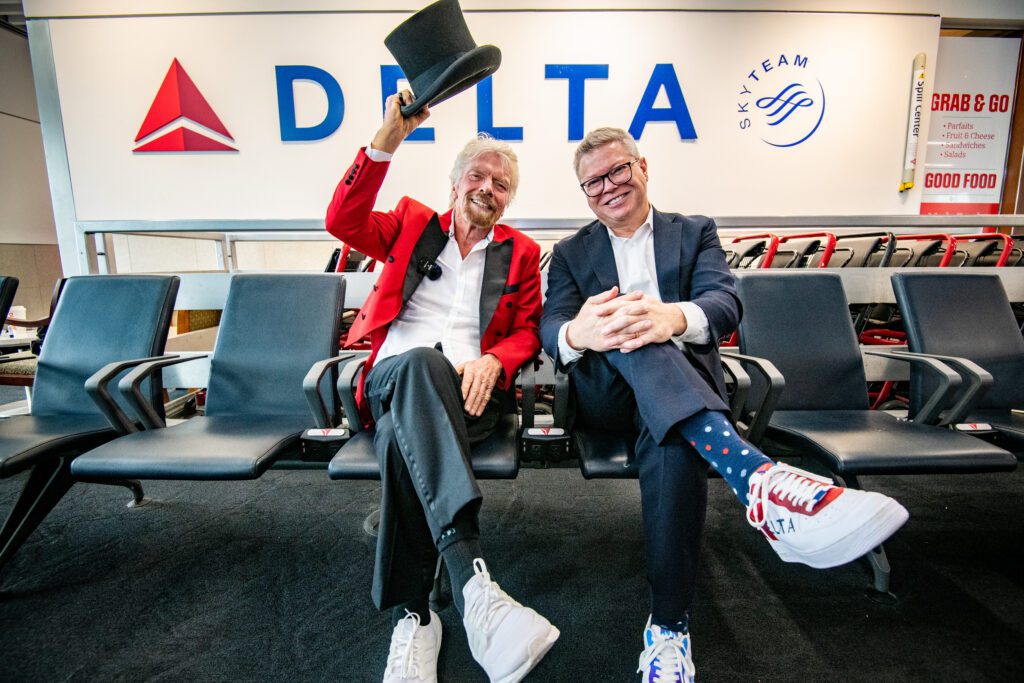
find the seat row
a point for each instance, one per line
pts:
(873, 250)
(97, 412)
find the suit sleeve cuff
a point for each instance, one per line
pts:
(697, 327)
(377, 155)
(566, 353)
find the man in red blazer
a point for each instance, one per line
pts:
(454, 313)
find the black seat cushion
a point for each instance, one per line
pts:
(493, 458)
(873, 442)
(605, 454)
(26, 438)
(202, 448)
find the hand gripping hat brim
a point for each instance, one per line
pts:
(438, 55)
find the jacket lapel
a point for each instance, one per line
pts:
(668, 241)
(429, 246)
(497, 263)
(602, 259)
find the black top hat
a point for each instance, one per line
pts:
(438, 55)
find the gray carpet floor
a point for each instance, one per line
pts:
(269, 581)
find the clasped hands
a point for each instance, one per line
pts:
(608, 321)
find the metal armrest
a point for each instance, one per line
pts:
(741, 381)
(311, 387)
(347, 391)
(776, 383)
(527, 380)
(130, 384)
(949, 382)
(979, 381)
(560, 416)
(96, 387)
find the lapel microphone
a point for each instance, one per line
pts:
(429, 268)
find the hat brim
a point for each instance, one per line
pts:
(464, 73)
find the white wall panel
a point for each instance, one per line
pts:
(109, 70)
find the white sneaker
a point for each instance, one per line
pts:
(808, 519)
(413, 654)
(506, 639)
(667, 656)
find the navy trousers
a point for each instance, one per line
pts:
(649, 392)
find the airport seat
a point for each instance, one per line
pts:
(611, 454)
(751, 251)
(805, 250)
(988, 249)
(274, 328)
(799, 321)
(969, 316)
(863, 250)
(496, 457)
(98, 320)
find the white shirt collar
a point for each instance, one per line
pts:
(482, 244)
(645, 227)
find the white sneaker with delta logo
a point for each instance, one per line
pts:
(414, 649)
(667, 656)
(808, 519)
(506, 639)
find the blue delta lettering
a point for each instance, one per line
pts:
(780, 527)
(663, 80)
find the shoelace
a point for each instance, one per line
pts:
(404, 657)
(672, 663)
(801, 488)
(491, 601)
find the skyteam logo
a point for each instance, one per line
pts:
(782, 101)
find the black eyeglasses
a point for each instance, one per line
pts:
(619, 175)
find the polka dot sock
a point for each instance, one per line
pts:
(715, 439)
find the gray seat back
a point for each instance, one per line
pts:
(274, 327)
(799, 320)
(100, 319)
(968, 315)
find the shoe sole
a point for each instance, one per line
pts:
(854, 545)
(545, 642)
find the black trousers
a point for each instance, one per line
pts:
(649, 392)
(422, 440)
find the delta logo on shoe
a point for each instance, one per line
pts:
(808, 519)
(784, 524)
(181, 120)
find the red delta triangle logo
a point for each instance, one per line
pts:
(179, 102)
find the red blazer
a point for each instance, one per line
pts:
(509, 300)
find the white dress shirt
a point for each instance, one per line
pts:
(445, 310)
(634, 263)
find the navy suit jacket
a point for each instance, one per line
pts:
(690, 266)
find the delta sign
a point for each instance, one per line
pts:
(181, 119)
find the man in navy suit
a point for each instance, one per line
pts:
(636, 304)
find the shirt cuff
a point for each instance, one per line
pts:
(566, 353)
(377, 155)
(697, 327)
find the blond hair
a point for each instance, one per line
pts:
(599, 137)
